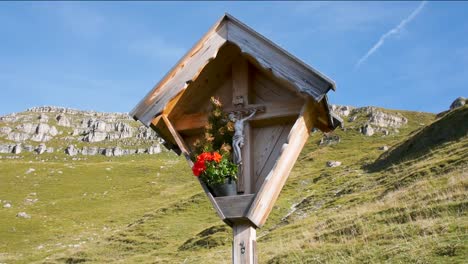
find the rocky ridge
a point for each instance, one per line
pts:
(50, 129)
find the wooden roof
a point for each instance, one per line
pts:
(268, 55)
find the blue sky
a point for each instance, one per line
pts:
(106, 56)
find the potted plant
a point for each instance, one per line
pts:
(212, 154)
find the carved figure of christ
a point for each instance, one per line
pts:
(238, 138)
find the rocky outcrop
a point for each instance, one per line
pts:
(459, 102)
(91, 151)
(5, 148)
(62, 120)
(117, 131)
(333, 163)
(382, 119)
(146, 133)
(342, 110)
(17, 149)
(18, 137)
(329, 140)
(367, 130)
(154, 149)
(43, 118)
(5, 130)
(71, 150)
(41, 148)
(23, 215)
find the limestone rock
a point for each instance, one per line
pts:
(28, 128)
(62, 120)
(329, 140)
(53, 131)
(383, 148)
(18, 137)
(146, 133)
(117, 151)
(43, 118)
(91, 151)
(41, 149)
(382, 119)
(459, 102)
(28, 148)
(367, 130)
(9, 118)
(333, 163)
(41, 138)
(95, 136)
(342, 110)
(71, 150)
(140, 151)
(7, 205)
(108, 152)
(154, 149)
(4, 148)
(50, 150)
(23, 215)
(5, 130)
(17, 149)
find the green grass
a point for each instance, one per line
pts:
(412, 210)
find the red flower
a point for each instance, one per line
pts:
(199, 167)
(217, 157)
(205, 156)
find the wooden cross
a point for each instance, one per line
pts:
(267, 113)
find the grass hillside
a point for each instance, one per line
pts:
(404, 205)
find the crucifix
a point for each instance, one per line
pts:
(254, 149)
(274, 99)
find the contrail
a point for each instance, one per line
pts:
(393, 31)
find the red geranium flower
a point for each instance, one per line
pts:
(205, 156)
(217, 157)
(199, 167)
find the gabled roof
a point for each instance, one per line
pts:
(268, 55)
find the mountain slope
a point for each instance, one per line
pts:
(371, 209)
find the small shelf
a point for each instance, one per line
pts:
(235, 207)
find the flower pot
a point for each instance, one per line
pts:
(228, 188)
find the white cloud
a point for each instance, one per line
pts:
(393, 31)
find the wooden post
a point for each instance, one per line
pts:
(240, 89)
(244, 244)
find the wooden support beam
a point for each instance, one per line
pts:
(185, 150)
(236, 206)
(244, 244)
(240, 96)
(274, 182)
(272, 111)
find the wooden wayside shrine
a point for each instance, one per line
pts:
(245, 71)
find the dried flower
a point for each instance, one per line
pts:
(209, 137)
(216, 102)
(226, 148)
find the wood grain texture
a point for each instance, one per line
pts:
(274, 182)
(275, 110)
(267, 147)
(281, 63)
(234, 207)
(186, 70)
(244, 244)
(240, 97)
(267, 55)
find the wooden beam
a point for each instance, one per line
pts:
(185, 150)
(272, 111)
(236, 206)
(240, 97)
(274, 182)
(244, 244)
